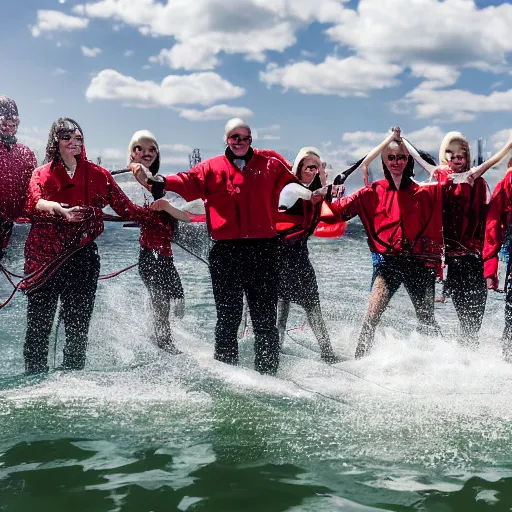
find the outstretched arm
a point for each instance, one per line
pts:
(431, 169)
(164, 205)
(482, 168)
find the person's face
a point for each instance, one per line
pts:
(457, 160)
(9, 126)
(70, 143)
(145, 152)
(239, 141)
(395, 160)
(311, 166)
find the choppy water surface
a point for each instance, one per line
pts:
(421, 424)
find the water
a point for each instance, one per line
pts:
(421, 424)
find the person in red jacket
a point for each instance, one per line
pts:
(299, 213)
(403, 222)
(240, 190)
(464, 215)
(17, 162)
(65, 200)
(156, 263)
(499, 222)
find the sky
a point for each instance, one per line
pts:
(334, 74)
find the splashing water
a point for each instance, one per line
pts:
(420, 424)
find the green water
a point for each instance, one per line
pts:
(419, 425)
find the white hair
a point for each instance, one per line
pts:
(233, 124)
(136, 138)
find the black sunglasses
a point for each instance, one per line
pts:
(240, 138)
(67, 136)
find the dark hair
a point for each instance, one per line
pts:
(427, 157)
(59, 127)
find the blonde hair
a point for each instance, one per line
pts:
(454, 142)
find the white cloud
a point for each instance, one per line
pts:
(47, 101)
(266, 132)
(454, 105)
(351, 76)
(498, 140)
(128, 53)
(376, 31)
(90, 52)
(196, 88)
(216, 113)
(452, 33)
(203, 29)
(35, 138)
(202, 51)
(56, 21)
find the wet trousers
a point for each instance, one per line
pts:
(5, 234)
(246, 266)
(163, 283)
(466, 285)
(389, 274)
(75, 283)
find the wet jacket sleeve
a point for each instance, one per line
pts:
(120, 203)
(349, 206)
(189, 185)
(34, 193)
(497, 224)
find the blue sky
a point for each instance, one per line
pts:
(302, 72)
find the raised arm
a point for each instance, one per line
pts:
(482, 168)
(376, 151)
(431, 169)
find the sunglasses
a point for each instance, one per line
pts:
(239, 138)
(398, 158)
(311, 167)
(67, 136)
(138, 149)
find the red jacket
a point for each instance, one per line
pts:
(16, 168)
(238, 204)
(398, 222)
(299, 221)
(91, 186)
(499, 219)
(464, 214)
(156, 237)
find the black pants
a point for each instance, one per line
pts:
(507, 331)
(75, 284)
(466, 285)
(296, 276)
(419, 282)
(249, 266)
(163, 282)
(5, 234)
